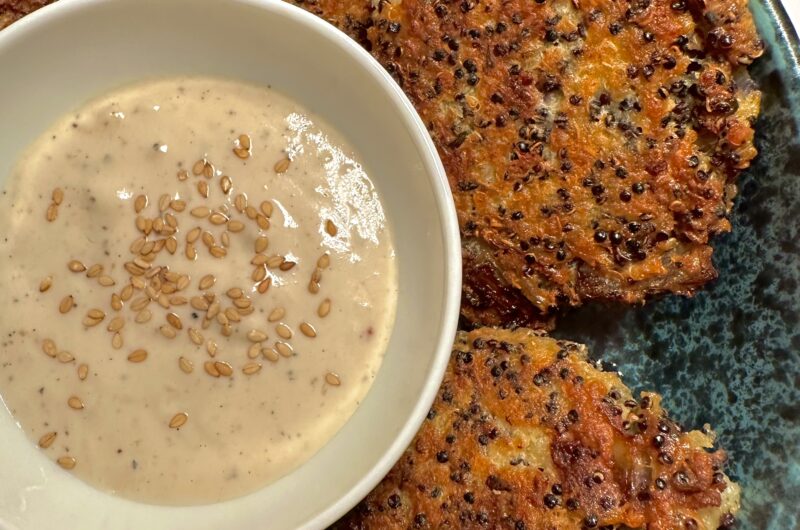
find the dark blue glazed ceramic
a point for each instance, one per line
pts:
(730, 356)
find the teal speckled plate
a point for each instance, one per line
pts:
(730, 356)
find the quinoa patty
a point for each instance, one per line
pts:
(592, 147)
(526, 434)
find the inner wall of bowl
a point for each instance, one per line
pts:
(95, 46)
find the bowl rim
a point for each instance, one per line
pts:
(434, 170)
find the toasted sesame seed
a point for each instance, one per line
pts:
(65, 357)
(45, 284)
(213, 309)
(178, 420)
(116, 324)
(171, 220)
(262, 221)
(75, 402)
(255, 335)
(57, 196)
(218, 252)
(83, 371)
(193, 234)
(208, 170)
(223, 368)
(254, 350)
(163, 202)
(241, 153)
(94, 271)
(283, 331)
(324, 308)
(200, 211)
(259, 273)
(52, 212)
(168, 332)
(185, 365)
(234, 293)
(195, 336)
(263, 286)
(251, 212)
(324, 261)
(332, 379)
(49, 347)
(259, 259)
(198, 167)
(287, 265)
(183, 174)
(251, 368)
(242, 303)
(138, 282)
(106, 281)
(143, 316)
(282, 165)
(76, 266)
(191, 253)
(330, 228)
(275, 261)
(202, 188)
(266, 208)
(270, 354)
(225, 184)
(174, 321)
(177, 300)
(116, 301)
(139, 203)
(137, 356)
(261, 244)
(67, 462)
(116, 341)
(210, 369)
(244, 141)
(232, 314)
(207, 281)
(240, 202)
(284, 348)
(235, 226)
(244, 311)
(208, 239)
(96, 314)
(313, 287)
(211, 347)
(276, 314)
(47, 440)
(140, 303)
(218, 218)
(308, 330)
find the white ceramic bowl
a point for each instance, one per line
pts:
(67, 53)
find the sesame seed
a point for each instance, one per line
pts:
(324, 308)
(282, 165)
(332, 379)
(83, 371)
(255, 335)
(76, 266)
(67, 462)
(137, 356)
(223, 368)
(75, 403)
(185, 365)
(45, 284)
(251, 368)
(47, 440)
(178, 420)
(308, 330)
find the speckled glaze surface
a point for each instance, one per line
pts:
(730, 356)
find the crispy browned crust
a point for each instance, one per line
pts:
(351, 16)
(591, 145)
(13, 10)
(526, 434)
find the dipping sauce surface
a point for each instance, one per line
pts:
(200, 285)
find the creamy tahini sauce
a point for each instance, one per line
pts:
(241, 431)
